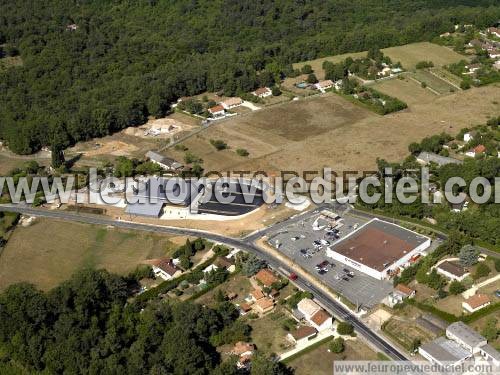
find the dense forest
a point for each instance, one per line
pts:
(86, 326)
(94, 67)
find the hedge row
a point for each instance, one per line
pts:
(451, 318)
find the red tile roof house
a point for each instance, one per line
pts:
(476, 302)
(256, 295)
(244, 351)
(479, 149)
(166, 269)
(324, 85)
(263, 92)
(264, 305)
(217, 111)
(405, 291)
(302, 335)
(266, 277)
(231, 103)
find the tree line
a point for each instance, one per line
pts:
(86, 325)
(125, 61)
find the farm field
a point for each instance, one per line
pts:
(409, 55)
(50, 251)
(434, 82)
(336, 133)
(406, 90)
(319, 361)
(447, 76)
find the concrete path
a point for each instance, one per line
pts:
(299, 347)
(472, 290)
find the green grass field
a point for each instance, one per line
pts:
(409, 55)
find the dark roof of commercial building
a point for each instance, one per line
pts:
(453, 268)
(145, 209)
(465, 333)
(174, 190)
(378, 244)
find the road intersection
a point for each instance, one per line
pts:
(246, 244)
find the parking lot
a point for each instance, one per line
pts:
(297, 242)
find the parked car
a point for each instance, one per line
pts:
(497, 293)
(345, 278)
(293, 276)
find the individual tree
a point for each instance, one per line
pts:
(482, 270)
(311, 78)
(276, 91)
(306, 69)
(456, 287)
(57, 155)
(415, 344)
(251, 265)
(468, 255)
(491, 331)
(497, 264)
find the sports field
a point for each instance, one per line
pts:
(409, 55)
(50, 251)
(329, 131)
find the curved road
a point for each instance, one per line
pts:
(246, 244)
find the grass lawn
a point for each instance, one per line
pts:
(50, 251)
(10, 61)
(6, 222)
(479, 325)
(267, 332)
(409, 55)
(238, 284)
(319, 361)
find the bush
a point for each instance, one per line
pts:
(337, 345)
(344, 328)
(311, 78)
(456, 287)
(242, 152)
(306, 69)
(219, 144)
(497, 264)
(482, 270)
(424, 64)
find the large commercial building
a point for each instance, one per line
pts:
(233, 198)
(379, 248)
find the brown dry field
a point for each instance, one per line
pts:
(409, 55)
(50, 251)
(319, 361)
(329, 131)
(406, 90)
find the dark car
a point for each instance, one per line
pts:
(345, 278)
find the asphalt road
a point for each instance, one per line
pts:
(247, 245)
